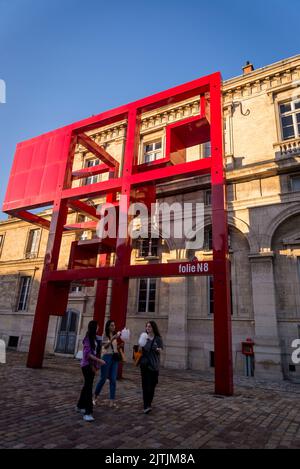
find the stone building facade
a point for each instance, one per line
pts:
(261, 110)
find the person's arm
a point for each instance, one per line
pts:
(96, 359)
(108, 342)
(87, 352)
(158, 345)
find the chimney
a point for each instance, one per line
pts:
(248, 68)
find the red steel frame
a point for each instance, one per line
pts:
(42, 175)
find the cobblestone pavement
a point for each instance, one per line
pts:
(37, 411)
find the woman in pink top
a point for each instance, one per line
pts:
(89, 365)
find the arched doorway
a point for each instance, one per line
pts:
(67, 334)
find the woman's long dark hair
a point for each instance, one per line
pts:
(154, 328)
(107, 326)
(91, 333)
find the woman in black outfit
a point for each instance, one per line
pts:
(89, 365)
(150, 363)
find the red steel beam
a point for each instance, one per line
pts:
(87, 225)
(97, 150)
(177, 171)
(172, 269)
(92, 190)
(31, 218)
(91, 171)
(84, 208)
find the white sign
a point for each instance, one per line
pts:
(194, 268)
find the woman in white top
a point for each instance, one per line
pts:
(111, 357)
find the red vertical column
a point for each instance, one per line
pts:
(222, 303)
(58, 220)
(123, 248)
(41, 318)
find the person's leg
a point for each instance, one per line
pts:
(83, 400)
(90, 375)
(103, 376)
(113, 373)
(145, 386)
(153, 380)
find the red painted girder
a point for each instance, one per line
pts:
(97, 150)
(189, 169)
(93, 190)
(84, 208)
(87, 225)
(31, 218)
(174, 269)
(92, 171)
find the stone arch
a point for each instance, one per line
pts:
(284, 215)
(239, 225)
(245, 229)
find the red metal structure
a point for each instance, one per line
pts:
(42, 175)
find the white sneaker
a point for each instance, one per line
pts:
(88, 418)
(146, 411)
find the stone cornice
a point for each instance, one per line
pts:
(271, 79)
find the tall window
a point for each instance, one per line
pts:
(147, 293)
(33, 244)
(210, 295)
(147, 247)
(23, 295)
(152, 151)
(92, 179)
(1, 243)
(290, 119)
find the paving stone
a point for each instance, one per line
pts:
(37, 411)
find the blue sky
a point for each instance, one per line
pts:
(64, 60)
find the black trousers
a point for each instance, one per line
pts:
(86, 396)
(149, 382)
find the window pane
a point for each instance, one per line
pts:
(150, 157)
(285, 108)
(288, 120)
(298, 117)
(153, 283)
(73, 322)
(295, 183)
(143, 283)
(151, 308)
(142, 306)
(206, 150)
(143, 295)
(157, 145)
(297, 105)
(64, 322)
(152, 295)
(148, 147)
(288, 132)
